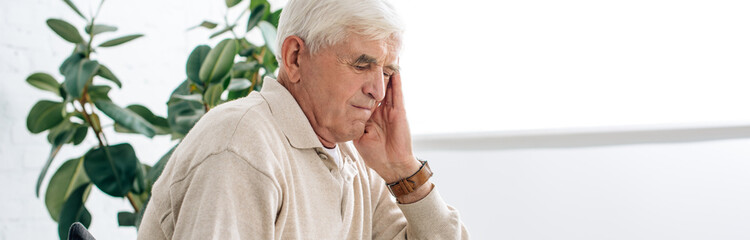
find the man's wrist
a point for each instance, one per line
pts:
(398, 172)
(420, 193)
(410, 189)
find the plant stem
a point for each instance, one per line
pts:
(91, 28)
(241, 14)
(100, 124)
(132, 202)
(91, 38)
(247, 9)
(87, 116)
(231, 27)
(259, 57)
(99, 8)
(99, 134)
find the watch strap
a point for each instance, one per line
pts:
(411, 183)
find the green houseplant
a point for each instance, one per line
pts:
(231, 69)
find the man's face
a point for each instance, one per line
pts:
(344, 83)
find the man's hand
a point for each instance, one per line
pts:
(386, 144)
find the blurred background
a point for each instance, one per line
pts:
(542, 119)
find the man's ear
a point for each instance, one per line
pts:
(290, 56)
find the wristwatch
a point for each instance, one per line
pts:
(411, 183)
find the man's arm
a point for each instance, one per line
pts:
(225, 198)
(428, 218)
(386, 148)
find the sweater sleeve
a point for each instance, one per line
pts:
(225, 198)
(429, 218)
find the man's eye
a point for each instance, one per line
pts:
(388, 75)
(359, 67)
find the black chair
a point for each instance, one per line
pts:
(79, 232)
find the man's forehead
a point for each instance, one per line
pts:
(392, 64)
(358, 45)
(381, 53)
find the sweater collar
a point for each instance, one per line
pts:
(289, 116)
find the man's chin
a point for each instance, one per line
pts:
(353, 133)
(359, 134)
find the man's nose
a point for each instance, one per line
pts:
(375, 86)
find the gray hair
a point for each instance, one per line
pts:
(323, 23)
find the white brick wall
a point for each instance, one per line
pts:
(149, 68)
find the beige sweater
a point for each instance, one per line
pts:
(254, 169)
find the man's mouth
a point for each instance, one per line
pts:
(368, 109)
(361, 107)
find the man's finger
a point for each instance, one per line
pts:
(377, 115)
(389, 96)
(397, 95)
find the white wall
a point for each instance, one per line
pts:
(660, 191)
(538, 64)
(688, 191)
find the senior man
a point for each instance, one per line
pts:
(280, 164)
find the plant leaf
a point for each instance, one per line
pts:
(74, 211)
(194, 62)
(44, 115)
(223, 30)
(68, 177)
(107, 74)
(255, 3)
(192, 97)
(44, 82)
(78, 76)
(99, 28)
(241, 69)
(120, 40)
(160, 124)
(75, 9)
(149, 116)
(232, 95)
(269, 63)
(112, 168)
(274, 18)
(212, 97)
(225, 82)
(232, 3)
(126, 219)
(58, 136)
(99, 92)
(125, 117)
(209, 25)
(53, 153)
(80, 134)
(246, 48)
(95, 123)
(63, 94)
(139, 183)
(65, 30)
(219, 61)
(70, 62)
(239, 84)
(269, 35)
(255, 16)
(205, 24)
(183, 114)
